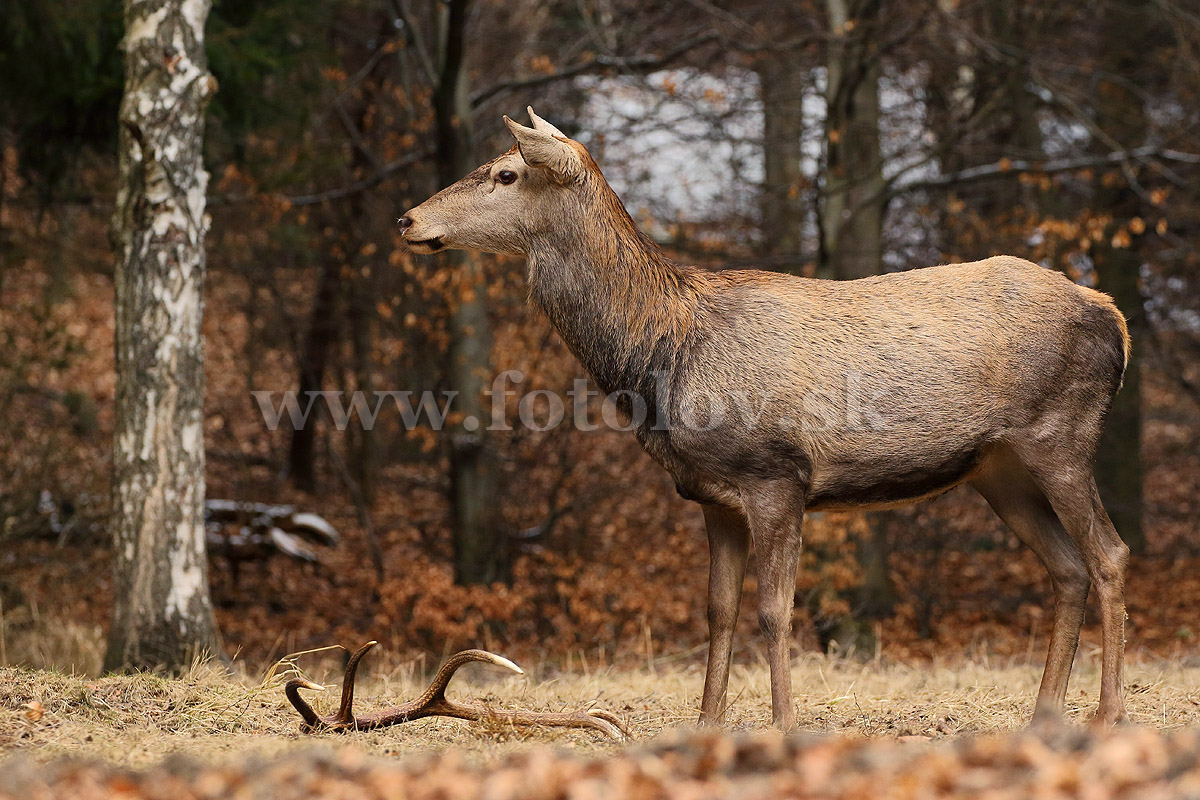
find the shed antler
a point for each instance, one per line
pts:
(433, 703)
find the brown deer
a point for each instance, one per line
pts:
(866, 394)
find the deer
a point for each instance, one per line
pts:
(871, 393)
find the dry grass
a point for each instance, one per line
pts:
(31, 639)
(138, 720)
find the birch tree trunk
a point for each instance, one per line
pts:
(162, 613)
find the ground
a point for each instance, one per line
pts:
(213, 729)
(1134, 762)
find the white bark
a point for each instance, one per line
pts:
(162, 611)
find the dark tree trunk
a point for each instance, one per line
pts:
(1119, 457)
(479, 554)
(852, 214)
(1129, 38)
(854, 201)
(364, 457)
(363, 296)
(322, 333)
(162, 615)
(781, 78)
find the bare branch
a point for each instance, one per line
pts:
(1022, 166)
(406, 18)
(360, 504)
(362, 185)
(356, 136)
(639, 63)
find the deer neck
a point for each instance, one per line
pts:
(622, 307)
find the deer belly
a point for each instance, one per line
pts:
(880, 483)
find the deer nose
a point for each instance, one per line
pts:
(405, 223)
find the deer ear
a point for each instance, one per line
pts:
(540, 124)
(541, 148)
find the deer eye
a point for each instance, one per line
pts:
(506, 176)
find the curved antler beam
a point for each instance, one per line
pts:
(433, 703)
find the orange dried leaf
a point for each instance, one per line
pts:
(34, 711)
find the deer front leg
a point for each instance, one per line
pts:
(775, 521)
(728, 549)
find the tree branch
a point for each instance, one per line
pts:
(362, 185)
(639, 63)
(1046, 167)
(355, 136)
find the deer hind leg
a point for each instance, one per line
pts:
(728, 549)
(1016, 499)
(775, 513)
(1071, 489)
(1078, 506)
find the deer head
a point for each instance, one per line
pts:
(508, 203)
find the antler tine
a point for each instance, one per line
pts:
(614, 732)
(434, 702)
(345, 713)
(611, 720)
(602, 722)
(291, 690)
(437, 688)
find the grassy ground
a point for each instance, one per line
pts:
(141, 719)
